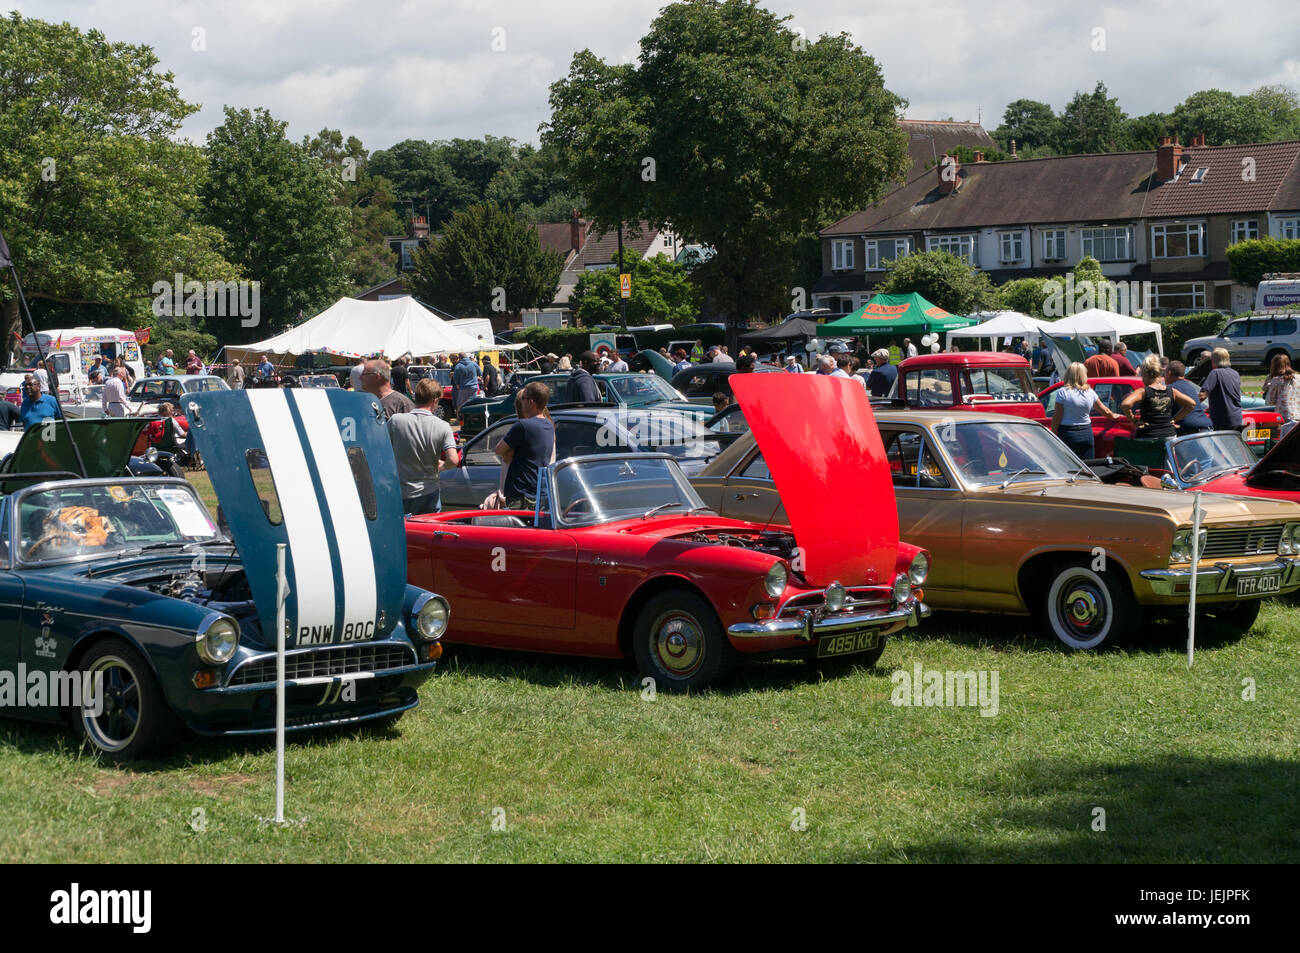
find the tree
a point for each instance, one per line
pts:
(1025, 295)
(1091, 122)
(1225, 119)
(1030, 123)
(275, 203)
(941, 278)
(1142, 133)
(97, 197)
(535, 185)
(1250, 261)
(738, 132)
(1282, 106)
(370, 203)
(661, 292)
(487, 260)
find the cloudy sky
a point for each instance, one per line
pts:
(386, 71)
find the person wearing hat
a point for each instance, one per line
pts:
(547, 364)
(792, 365)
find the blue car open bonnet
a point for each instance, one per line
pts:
(314, 469)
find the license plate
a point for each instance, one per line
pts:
(1258, 585)
(847, 644)
(1257, 434)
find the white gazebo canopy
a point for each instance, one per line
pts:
(1002, 324)
(1109, 324)
(352, 328)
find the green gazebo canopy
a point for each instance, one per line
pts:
(894, 314)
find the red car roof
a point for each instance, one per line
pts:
(965, 359)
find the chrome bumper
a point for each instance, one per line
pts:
(807, 626)
(1219, 578)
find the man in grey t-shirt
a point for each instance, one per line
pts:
(423, 445)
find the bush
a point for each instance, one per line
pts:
(182, 337)
(1250, 261)
(1178, 331)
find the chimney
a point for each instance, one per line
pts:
(419, 226)
(1013, 148)
(949, 174)
(979, 156)
(1199, 140)
(577, 232)
(1169, 156)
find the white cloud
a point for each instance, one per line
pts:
(426, 69)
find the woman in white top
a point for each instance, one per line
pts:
(1282, 390)
(1075, 404)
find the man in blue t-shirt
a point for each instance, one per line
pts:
(528, 446)
(37, 406)
(881, 381)
(1222, 392)
(464, 380)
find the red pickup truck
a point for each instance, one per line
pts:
(978, 380)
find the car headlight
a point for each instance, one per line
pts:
(919, 569)
(218, 639)
(431, 618)
(902, 588)
(775, 580)
(1181, 550)
(1289, 545)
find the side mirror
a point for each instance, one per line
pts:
(1168, 482)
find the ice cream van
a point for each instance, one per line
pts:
(74, 351)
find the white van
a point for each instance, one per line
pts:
(1278, 294)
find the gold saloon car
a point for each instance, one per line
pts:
(1016, 524)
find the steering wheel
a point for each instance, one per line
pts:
(573, 507)
(68, 543)
(1189, 469)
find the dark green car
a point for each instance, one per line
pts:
(620, 390)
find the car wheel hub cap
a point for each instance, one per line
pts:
(679, 644)
(1084, 608)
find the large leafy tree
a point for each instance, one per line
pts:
(740, 133)
(661, 292)
(1224, 118)
(1030, 123)
(275, 203)
(941, 278)
(370, 202)
(423, 179)
(1091, 122)
(488, 260)
(97, 198)
(1282, 106)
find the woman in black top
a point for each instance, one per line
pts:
(1160, 405)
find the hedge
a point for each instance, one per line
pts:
(1250, 261)
(1176, 332)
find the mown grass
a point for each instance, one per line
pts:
(580, 767)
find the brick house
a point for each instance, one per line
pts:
(1165, 217)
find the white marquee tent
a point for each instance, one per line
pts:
(1097, 323)
(1001, 325)
(352, 328)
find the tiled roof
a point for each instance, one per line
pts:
(1245, 178)
(1082, 188)
(929, 139)
(601, 249)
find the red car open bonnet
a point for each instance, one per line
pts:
(823, 449)
(1280, 465)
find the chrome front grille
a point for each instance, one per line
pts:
(325, 662)
(1227, 542)
(856, 599)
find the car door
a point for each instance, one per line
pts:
(1236, 339)
(11, 599)
(1104, 429)
(930, 508)
(509, 586)
(747, 493)
(469, 484)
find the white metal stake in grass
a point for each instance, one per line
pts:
(281, 592)
(1196, 558)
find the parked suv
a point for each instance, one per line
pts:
(1251, 340)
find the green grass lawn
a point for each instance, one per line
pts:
(579, 766)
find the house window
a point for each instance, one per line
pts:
(1178, 295)
(1012, 245)
(1107, 244)
(1288, 227)
(882, 250)
(1244, 229)
(963, 246)
(1177, 241)
(1054, 244)
(842, 255)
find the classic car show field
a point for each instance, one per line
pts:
(582, 768)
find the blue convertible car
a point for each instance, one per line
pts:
(127, 610)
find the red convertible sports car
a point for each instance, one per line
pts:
(621, 557)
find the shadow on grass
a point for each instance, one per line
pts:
(1181, 810)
